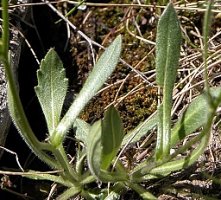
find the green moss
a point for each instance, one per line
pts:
(103, 25)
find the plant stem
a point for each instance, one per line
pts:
(49, 177)
(171, 166)
(5, 32)
(15, 105)
(69, 172)
(206, 27)
(141, 191)
(71, 192)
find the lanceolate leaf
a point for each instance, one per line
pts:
(198, 114)
(104, 140)
(111, 137)
(167, 47)
(194, 117)
(112, 196)
(94, 150)
(101, 71)
(99, 157)
(167, 57)
(52, 88)
(82, 130)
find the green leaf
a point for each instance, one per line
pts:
(70, 192)
(194, 117)
(178, 164)
(167, 47)
(37, 175)
(112, 196)
(199, 108)
(143, 192)
(94, 150)
(21, 122)
(79, 164)
(101, 71)
(111, 136)
(82, 130)
(141, 130)
(167, 59)
(96, 155)
(52, 88)
(1, 49)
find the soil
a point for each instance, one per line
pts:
(133, 95)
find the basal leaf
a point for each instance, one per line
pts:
(21, 122)
(198, 114)
(94, 150)
(95, 155)
(69, 193)
(112, 196)
(101, 71)
(82, 130)
(168, 43)
(51, 88)
(194, 117)
(111, 136)
(199, 107)
(38, 175)
(167, 59)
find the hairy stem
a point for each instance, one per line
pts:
(14, 101)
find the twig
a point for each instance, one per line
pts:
(16, 156)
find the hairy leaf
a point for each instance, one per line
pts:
(70, 192)
(82, 130)
(96, 157)
(52, 88)
(112, 196)
(37, 175)
(194, 117)
(111, 136)
(101, 71)
(21, 122)
(94, 150)
(167, 47)
(199, 113)
(167, 57)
